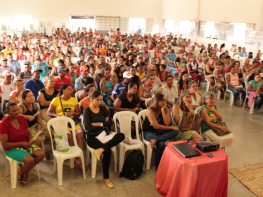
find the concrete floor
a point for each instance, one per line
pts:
(247, 150)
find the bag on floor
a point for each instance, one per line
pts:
(133, 165)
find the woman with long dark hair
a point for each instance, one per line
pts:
(156, 126)
(183, 82)
(97, 120)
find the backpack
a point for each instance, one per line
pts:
(133, 165)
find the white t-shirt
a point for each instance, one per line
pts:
(197, 101)
(6, 89)
(170, 94)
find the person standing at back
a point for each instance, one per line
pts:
(14, 64)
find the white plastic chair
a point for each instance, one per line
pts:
(231, 93)
(207, 82)
(74, 60)
(59, 125)
(151, 54)
(216, 86)
(125, 118)
(14, 169)
(94, 158)
(149, 149)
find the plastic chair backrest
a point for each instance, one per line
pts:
(100, 88)
(59, 125)
(125, 118)
(74, 60)
(151, 53)
(141, 117)
(197, 109)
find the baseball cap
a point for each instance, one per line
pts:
(174, 72)
(3, 59)
(7, 73)
(37, 69)
(114, 44)
(27, 63)
(127, 75)
(78, 41)
(61, 68)
(204, 51)
(83, 68)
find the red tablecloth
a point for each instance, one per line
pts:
(197, 176)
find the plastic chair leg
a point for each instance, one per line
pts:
(43, 148)
(122, 155)
(13, 166)
(252, 107)
(149, 157)
(88, 155)
(231, 98)
(54, 164)
(83, 166)
(38, 174)
(114, 150)
(60, 170)
(94, 165)
(7, 168)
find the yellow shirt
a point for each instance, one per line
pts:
(68, 106)
(5, 51)
(140, 75)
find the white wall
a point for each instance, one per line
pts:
(238, 11)
(57, 12)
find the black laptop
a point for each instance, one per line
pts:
(186, 150)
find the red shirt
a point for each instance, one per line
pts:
(60, 82)
(14, 135)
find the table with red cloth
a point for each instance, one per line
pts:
(200, 176)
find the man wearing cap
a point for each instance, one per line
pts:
(120, 87)
(139, 59)
(7, 50)
(139, 31)
(26, 75)
(7, 86)
(84, 73)
(34, 84)
(41, 65)
(4, 66)
(78, 47)
(61, 78)
(13, 63)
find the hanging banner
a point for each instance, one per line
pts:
(224, 29)
(254, 37)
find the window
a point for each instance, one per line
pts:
(207, 30)
(22, 21)
(82, 21)
(105, 23)
(186, 27)
(168, 25)
(135, 23)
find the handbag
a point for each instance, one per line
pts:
(218, 131)
(190, 121)
(75, 119)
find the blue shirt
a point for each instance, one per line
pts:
(139, 31)
(242, 54)
(172, 58)
(43, 67)
(15, 65)
(118, 88)
(79, 85)
(31, 85)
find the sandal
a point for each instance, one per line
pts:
(79, 166)
(23, 183)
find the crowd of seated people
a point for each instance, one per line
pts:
(114, 73)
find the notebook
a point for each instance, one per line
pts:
(186, 150)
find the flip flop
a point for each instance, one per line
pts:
(23, 184)
(96, 154)
(79, 166)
